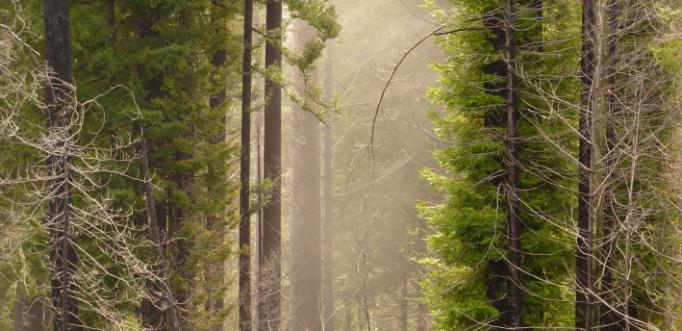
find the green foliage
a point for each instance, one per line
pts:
(470, 227)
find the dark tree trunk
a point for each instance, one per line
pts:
(162, 288)
(269, 310)
(60, 106)
(244, 176)
(608, 318)
(512, 187)
(327, 221)
(167, 318)
(584, 281)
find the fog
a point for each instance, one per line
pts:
(377, 237)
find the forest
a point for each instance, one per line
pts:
(340, 165)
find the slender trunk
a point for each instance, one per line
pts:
(60, 106)
(164, 311)
(259, 221)
(608, 317)
(270, 277)
(245, 167)
(512, 189)
(584, 281)
(160, 286)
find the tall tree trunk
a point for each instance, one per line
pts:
(608, 317)
(162, 313)
(60, 107)
(269, 311)
(584, 281)
(244, 176)
(512, 187)
(162, 286)
(327, 221)
(306, 255)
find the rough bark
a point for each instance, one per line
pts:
(59, 100)
(244, 177)
(512, 187)
(608, 317)
(269, 309)
(584, 281)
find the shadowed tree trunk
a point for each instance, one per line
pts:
(512, 187)
(245, 167)
(608, 317)
(583, 307)
(60, 106)
(269, 311)
(161, 286)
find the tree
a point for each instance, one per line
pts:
(244, 177)
(60, 103)
(504, 90)
(269, 310)
(511, 188)
(584, 281)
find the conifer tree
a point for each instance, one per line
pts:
(244, 177)
(60, 101)
(499, 112)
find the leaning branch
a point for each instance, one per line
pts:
(437, 32)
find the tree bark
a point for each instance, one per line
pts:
(269, 311)
(512, 187)
(608, 317)
(584, 281)
(244, 177)
(60, 106)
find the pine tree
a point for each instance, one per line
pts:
(244, 177)
(60, 103)
(506, 122)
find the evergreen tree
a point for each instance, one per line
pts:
(480, 266)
